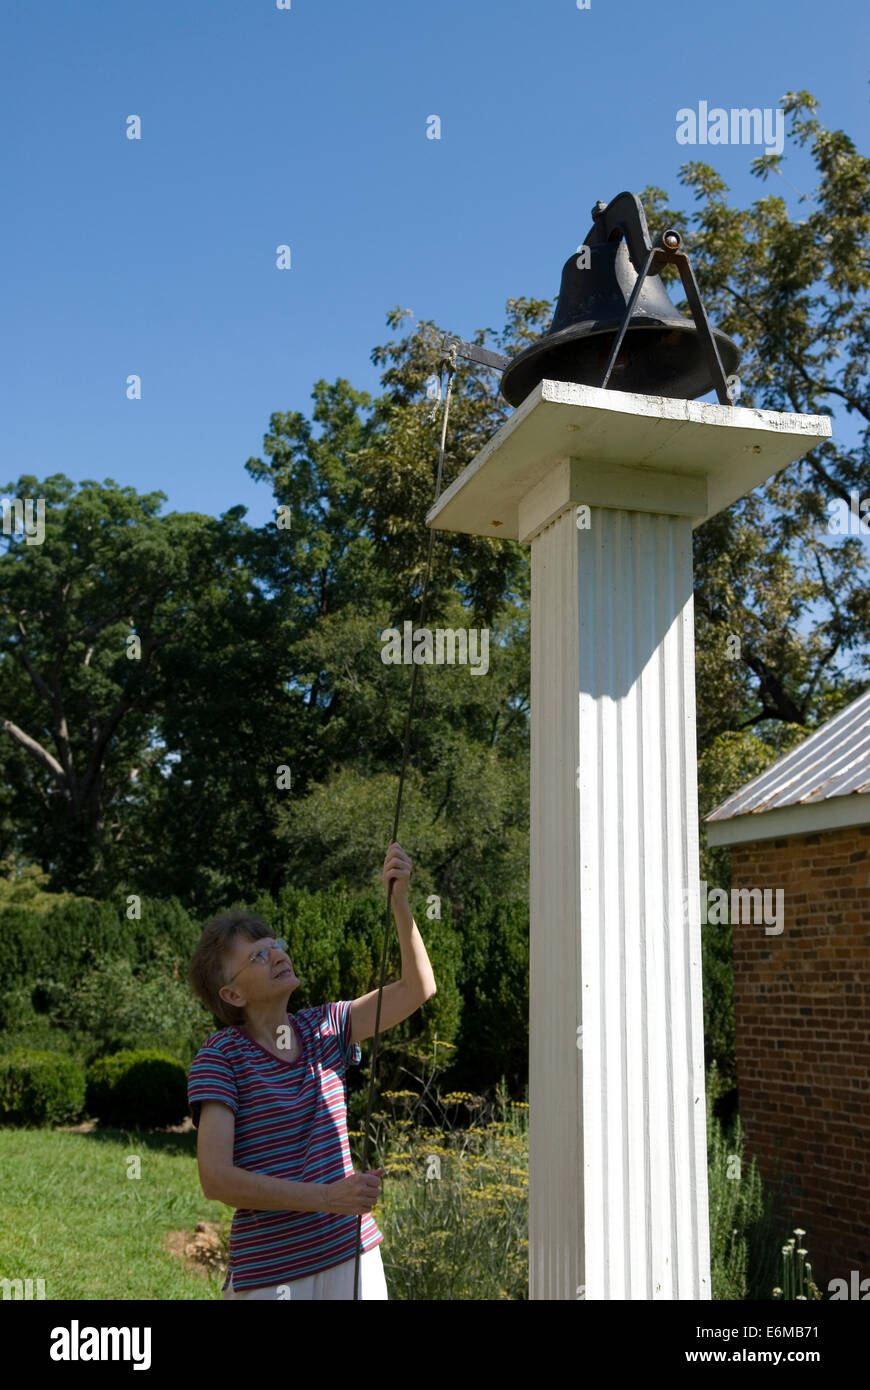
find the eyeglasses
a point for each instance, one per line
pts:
(279, 944)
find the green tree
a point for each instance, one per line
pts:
(111, 636)
(769, 573)
(358, 481)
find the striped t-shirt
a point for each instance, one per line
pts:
(291, 1122)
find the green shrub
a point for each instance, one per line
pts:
(114, 1009)
(25, 884)
(60, 945)
(717, 969)
(40, 1088)
(493, 1039)
(25, 1024)
(16, 1008)
(145, 1089)
(37, 1035)
(738, 1205)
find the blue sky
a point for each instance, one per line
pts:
(307, 127)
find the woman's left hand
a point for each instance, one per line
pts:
(397, 866)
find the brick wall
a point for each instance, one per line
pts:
(802, 1004)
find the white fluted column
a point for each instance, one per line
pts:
(614, 842)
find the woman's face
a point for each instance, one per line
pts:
(261, 971)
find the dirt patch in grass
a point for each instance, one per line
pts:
(201, 1250)
(88, 1127)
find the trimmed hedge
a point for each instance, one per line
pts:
(52, 950)
(146, 1089)
(40, 1088)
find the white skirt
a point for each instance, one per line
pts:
(334, 1283)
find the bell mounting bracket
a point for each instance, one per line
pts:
(624, 216)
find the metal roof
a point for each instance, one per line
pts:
(832, 761)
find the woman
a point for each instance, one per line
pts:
(267, 1094)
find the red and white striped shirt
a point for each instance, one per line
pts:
(291, 1123)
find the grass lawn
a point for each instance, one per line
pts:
(72, 1216)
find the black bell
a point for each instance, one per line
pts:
(660, 353)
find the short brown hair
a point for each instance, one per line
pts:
(208, 964)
